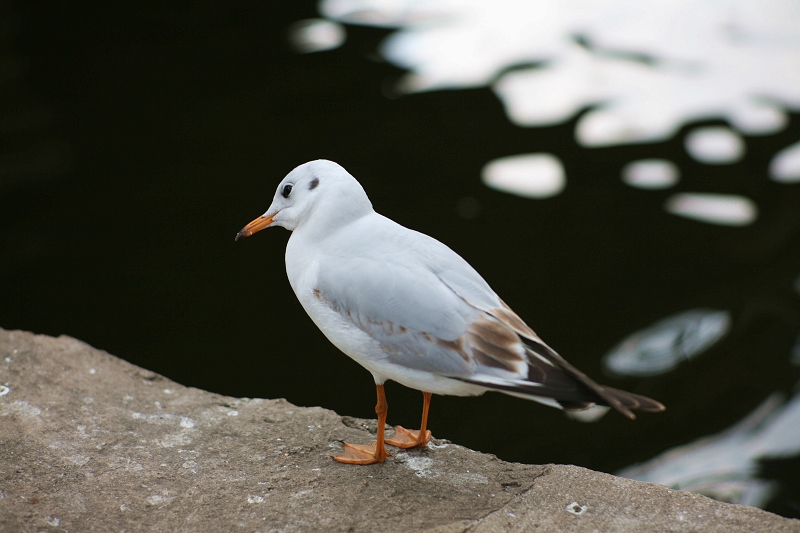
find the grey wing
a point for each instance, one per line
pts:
(509, 356)
(404, 307)
(431, 311)
(422, 303)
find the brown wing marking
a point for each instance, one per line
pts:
(495, 345)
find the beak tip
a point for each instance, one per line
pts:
(255, 226)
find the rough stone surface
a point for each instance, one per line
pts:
(89, 442)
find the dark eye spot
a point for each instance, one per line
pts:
(287, 190)
(313, 184)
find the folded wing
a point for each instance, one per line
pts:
(431, 311)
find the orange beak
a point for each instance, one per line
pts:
(255, 226)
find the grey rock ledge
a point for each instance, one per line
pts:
(89, 442)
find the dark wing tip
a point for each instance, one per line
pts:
(588, 389)
(631, 401)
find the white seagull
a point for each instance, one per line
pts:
(409, 309)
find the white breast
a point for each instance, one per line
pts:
(302, 273)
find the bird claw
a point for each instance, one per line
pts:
(362, 454)
(408, 438)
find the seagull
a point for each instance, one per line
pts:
(409, 309)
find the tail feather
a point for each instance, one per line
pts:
(550, 378)
(636, 401)
(622, 401)
(554, 381)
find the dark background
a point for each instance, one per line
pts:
(138, 139)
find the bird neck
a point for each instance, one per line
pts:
(330, 218)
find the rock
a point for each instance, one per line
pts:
(89, 442)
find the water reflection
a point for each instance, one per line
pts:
(527, 175)
(651, 174)
(630, 72)
(652, 66)
(715, 145)
(726, 466)
(722, 209)
(316, 35)
(785, 166)
(667, 343)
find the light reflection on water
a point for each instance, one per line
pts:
(667, 343)
(527, 175)
(651, 174)
(653, 66)
(316, 35)
(715, 145)
(722, 209)
(785, 166)
(726, 466)
(640, 71)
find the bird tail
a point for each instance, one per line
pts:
(559, 384)
(622, 401)
(627, 402)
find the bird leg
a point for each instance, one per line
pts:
(367, 454)
(408, 438)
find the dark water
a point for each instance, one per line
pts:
(136, 142)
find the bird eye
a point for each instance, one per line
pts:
(287, 190)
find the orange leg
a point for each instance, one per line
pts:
(367, 454)
(407, 438)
